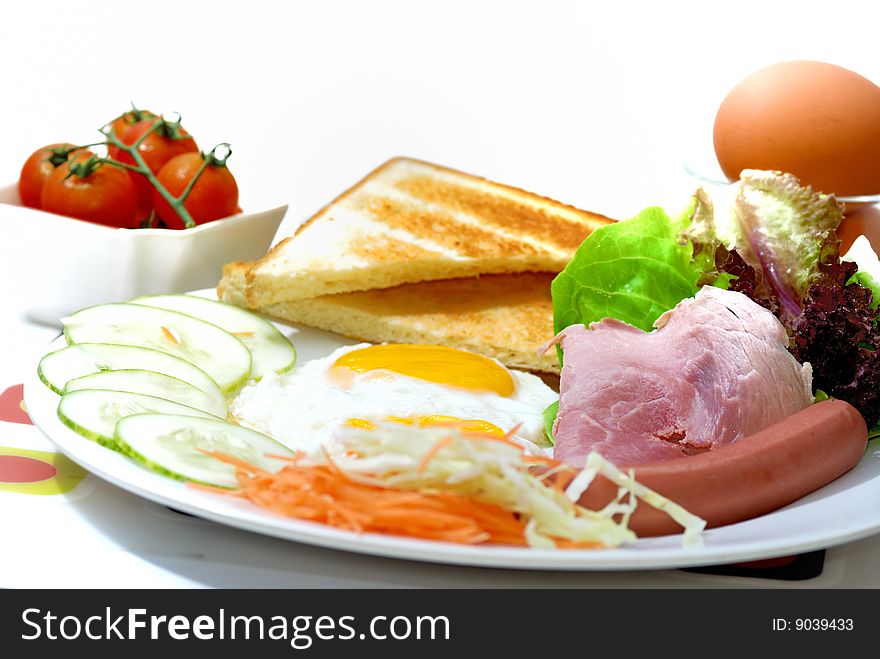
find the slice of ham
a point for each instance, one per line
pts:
(715, 370)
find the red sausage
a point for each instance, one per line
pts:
(753, 476)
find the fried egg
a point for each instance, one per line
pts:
(364, 385)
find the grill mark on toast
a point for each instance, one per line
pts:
(442, 228)
(382, 249)
(498, 211)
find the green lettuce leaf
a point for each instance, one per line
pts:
(866, 280)
(708, 235)
(638, 269)
(785, 231)
(634, 271)
(708, 231)
(549, 419)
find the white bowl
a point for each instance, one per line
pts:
(75, 264)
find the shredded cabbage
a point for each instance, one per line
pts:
(498, 472)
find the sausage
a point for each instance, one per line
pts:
(751, 477)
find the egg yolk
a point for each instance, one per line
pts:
(466, 426)
(456, 368)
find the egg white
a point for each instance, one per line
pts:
(305, 407)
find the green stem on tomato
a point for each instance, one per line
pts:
(84, 168)
(220, 161)
(61, 154)
(135, 114)
(210, 158)
(89, 146)
(189, 186)
(122, 165)
(171, 129)
(142, 168)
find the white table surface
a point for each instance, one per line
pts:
(596, 104)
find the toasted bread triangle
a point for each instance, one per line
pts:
(507, 317)
(410, 221)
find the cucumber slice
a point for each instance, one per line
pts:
(173, 446)
(93, 413)
(152, 384)
(271, 350)
(216, 352)
(57, 368)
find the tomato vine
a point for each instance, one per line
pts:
(170, 130)
(141, 167)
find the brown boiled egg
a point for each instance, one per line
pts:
(818, 121)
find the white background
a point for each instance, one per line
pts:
(595, 104)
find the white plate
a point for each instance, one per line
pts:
(848, 509)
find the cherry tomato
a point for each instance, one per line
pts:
(121, 123)
(94, 191)
(213, 196)
(167, 141)
(160, 146)
(37, 169)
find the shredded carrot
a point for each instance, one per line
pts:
(213, 489)
(494, 438)
(540, 458)
(244, 335)
(432, 452)
(229, 459)
(568, 544)
(324, 493)
(507, 439)
(170, 336)
(296, 457)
